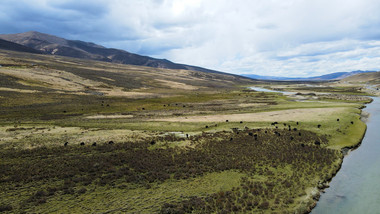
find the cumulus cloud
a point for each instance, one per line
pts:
(283, 38)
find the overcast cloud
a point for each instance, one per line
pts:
(266, 37)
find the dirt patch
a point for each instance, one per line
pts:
(315, 114)
(108, 116)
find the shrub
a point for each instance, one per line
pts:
(5, 207)
(82, 191)
(264, 205)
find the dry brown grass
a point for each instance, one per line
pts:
(17, 90)
(27, 137)
(108, 116)
(66, 82)
(177, 85)
(308, 114)
(245, 105)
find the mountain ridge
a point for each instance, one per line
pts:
(41, 43)
(53, 45)
(326, 77)
(7, 45)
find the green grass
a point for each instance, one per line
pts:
(340, 134)
(55, 106)
(350, 136)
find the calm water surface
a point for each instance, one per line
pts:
(268, 90)
(356, 187)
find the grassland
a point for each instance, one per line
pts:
(164, 141)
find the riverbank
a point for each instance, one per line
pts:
(344, 142)
(324, 184)
(355, 187)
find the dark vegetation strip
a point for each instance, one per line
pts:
(255, 152)
(53, 106)
(329, 89)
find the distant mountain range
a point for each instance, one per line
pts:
(332, 76)
(36, 42)
(41, 43)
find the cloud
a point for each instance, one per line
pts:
(287, 38)
(93, 8)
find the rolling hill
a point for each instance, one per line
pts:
(59, 74)
(369, 78)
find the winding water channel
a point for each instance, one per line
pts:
(268, 90)
(356, 187)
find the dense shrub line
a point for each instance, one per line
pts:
(249, 196)
(251, 151)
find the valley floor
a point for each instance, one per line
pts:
(92, 147)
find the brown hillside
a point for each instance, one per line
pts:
(24, 71)
(372, 78)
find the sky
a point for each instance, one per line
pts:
(293, 38)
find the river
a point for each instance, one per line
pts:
(356, 187)
(268, 90)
